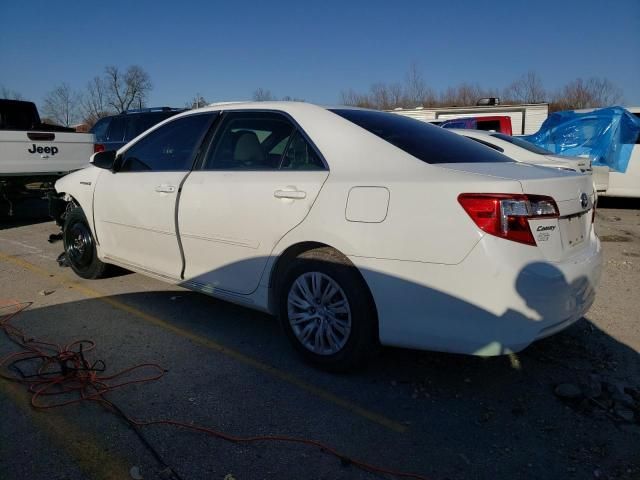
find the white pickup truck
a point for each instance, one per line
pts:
(34, 155)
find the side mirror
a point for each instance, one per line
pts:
(104, 160)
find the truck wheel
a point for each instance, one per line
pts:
(326, 311)
(80, 246)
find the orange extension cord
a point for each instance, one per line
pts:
(65, 372)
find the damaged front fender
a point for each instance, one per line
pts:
(76, 188)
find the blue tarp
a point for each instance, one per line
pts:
(606, 135)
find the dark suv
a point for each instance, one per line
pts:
(115, 131)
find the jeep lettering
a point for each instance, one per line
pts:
(35, 149)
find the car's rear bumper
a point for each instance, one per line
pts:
(499, 299)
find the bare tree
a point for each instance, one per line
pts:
(526, 89)
(262, 95)
(381, 96)
(288, 98)
(594, 92)
(125, 89)
(397, 96)
(605, 93)
(385, 96)
(94, 101)
(62, 105)
(353, 98)
(417, 93)
(9, 94)
(465, 94)
(197, 102)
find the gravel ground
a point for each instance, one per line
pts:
(566, 407)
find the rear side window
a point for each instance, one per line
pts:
(100, 129)
(116, 129)
(171, 147)
(488, 125)
(425, 142)
(300, 155)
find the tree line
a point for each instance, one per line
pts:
(265, 95)
(115, 91)
(118, 90)
(528, 88)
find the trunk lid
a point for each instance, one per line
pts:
(557, 238)
(560, 184)
(563, 237)
(583, 164)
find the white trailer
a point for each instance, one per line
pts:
(627, 183)
(525, 118)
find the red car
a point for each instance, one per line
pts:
(496, 123)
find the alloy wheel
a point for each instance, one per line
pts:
(319, 313)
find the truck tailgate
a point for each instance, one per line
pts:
(43, 152)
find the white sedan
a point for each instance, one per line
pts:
(355, 227)
(526, 152)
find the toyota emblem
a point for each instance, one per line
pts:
(584, 200)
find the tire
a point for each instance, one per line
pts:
(80, 246)
(339, 333)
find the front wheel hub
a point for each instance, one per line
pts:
(80, 245)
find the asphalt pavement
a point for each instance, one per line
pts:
(231, 369)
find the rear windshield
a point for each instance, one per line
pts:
(426, 142)
(100, 129)
(522, 143)
(15, 115)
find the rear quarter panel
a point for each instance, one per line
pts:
(424, 221)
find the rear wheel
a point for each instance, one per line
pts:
(80, 247)
(326, 311)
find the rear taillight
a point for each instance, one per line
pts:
(98, 147)
(506, 215)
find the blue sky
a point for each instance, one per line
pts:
(225, 50)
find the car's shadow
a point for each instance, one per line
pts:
(500, 408)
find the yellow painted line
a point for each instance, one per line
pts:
(81, 447)
(213, 345)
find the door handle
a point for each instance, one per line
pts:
(165, 188)
(292, 194)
